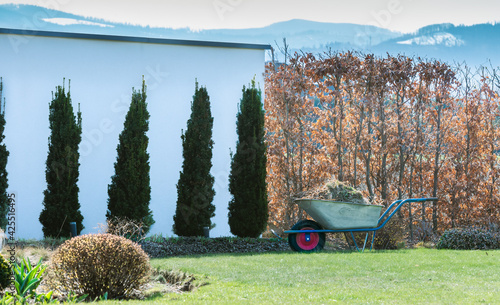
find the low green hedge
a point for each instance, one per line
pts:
(5, 273)
(469, 239)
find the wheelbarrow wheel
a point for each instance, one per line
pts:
(306, 242)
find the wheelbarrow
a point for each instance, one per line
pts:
(340, 217)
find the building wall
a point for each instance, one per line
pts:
(102, 75)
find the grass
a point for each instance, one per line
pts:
(417, 276)
(33, 249)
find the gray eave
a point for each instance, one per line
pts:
(197, 43)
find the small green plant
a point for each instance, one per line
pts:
(103, 297)
(469, 239)
(45, 298)
(75, 298)
(27, 278)
(177, 240)
(9, 299)
(96, 264)
(156, 238)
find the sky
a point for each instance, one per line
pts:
(398, 15)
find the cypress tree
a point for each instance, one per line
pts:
(248, 209)
(61, 205)
(130, 190)
(195, 191)
(4, 154)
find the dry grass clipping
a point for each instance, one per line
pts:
(334, 190)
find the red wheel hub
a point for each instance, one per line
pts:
(307, 242)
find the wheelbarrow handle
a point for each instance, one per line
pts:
(396, 205)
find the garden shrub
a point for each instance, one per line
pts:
(390, 237)
(423, 231)
(96, 264)
(5, 273)
(126, 227)
(469, 239)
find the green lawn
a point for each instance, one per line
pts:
(419, 276)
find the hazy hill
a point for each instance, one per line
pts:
(477, 44)
(299, 33)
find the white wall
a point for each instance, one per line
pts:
(102, 75)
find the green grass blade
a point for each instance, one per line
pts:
(31, 285)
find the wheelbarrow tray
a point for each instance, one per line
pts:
(337, 215)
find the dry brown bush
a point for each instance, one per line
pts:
(96, 264)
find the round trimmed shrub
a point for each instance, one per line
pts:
(5, 273)
(469, 239)
(96, 264)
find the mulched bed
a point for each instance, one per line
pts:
(199, 245)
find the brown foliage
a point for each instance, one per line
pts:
(96, 264)
(393, 127)
(125, 227)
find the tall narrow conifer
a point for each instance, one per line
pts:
(4, 154)
(60, 203)
(248, 210)
(130, 190)
(195, 191)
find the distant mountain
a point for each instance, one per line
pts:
(299, 33)
(477, 44)
(309, 34)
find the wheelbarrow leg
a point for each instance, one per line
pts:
(373, 240)
(347, 239)
(364, 245)
(354, 240)
(356, 244)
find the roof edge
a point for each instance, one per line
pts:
(198, 43)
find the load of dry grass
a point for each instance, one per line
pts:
(335, 190)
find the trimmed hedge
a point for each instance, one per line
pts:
(469, 239)
(5, 273)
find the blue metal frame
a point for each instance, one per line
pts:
(380, 224)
